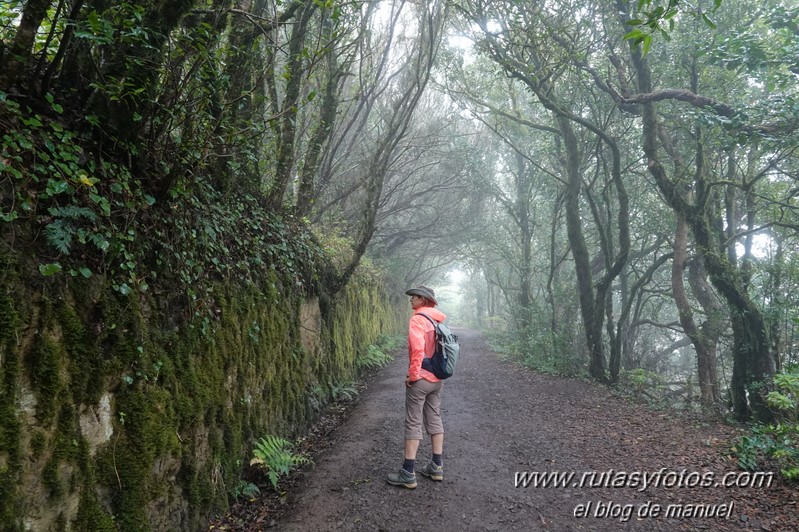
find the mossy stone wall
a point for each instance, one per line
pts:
(115, 415)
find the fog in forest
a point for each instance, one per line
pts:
(608, 190)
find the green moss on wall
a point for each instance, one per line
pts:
(38, 442)
(9, 372)
(361, 314)
(92, 516)
(147, 433)
(9, 320)
(45, 376)
(188, 401)
(50, 478)
(85, 368)
(10, 508)
(10, 426)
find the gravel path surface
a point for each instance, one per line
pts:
(501, 420)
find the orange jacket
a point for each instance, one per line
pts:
(422, 342)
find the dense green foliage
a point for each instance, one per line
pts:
(638, 171)
(778, 442)
(135, 108)
(96, 218)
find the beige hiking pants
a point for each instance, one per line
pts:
(423, 405)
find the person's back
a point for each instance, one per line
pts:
(422, 392)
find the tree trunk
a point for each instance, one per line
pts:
(307, 191)
(526, 241)
(285, 156)
(582, 262)
(554, 265)
(712, 328)
(17, 57)
(139, 64)
(63, 45)
(753, 347)
(705, 349)
(775, 294)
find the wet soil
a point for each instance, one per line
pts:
(502, 421)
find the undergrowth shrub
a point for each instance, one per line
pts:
(538, 349)
(344, 391)
(642, 384)
(321, 396)
(778, 442)
(377, 355)
(373, 357)
(339, 251)
(317, 397)
(83, 205)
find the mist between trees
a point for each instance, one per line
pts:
(618, 180)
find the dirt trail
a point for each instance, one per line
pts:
(501, 419)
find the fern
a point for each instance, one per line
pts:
(276, 456)
(59, 235)
(73, 213)
(373, 358)
(780, 441)
(389, 342)
(245, 489)
(317, 398)
(344, 390)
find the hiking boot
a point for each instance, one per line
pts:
(402, 478)
(433, 471)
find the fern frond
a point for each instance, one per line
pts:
(59, 235)
(345, 390)
(276, 455)
(374, 357)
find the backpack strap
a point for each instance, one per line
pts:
(435, 336)
(431, 320)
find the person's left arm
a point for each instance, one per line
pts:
(416, 344)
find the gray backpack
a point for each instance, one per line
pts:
(445, 357)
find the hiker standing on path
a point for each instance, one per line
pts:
(422, 391)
